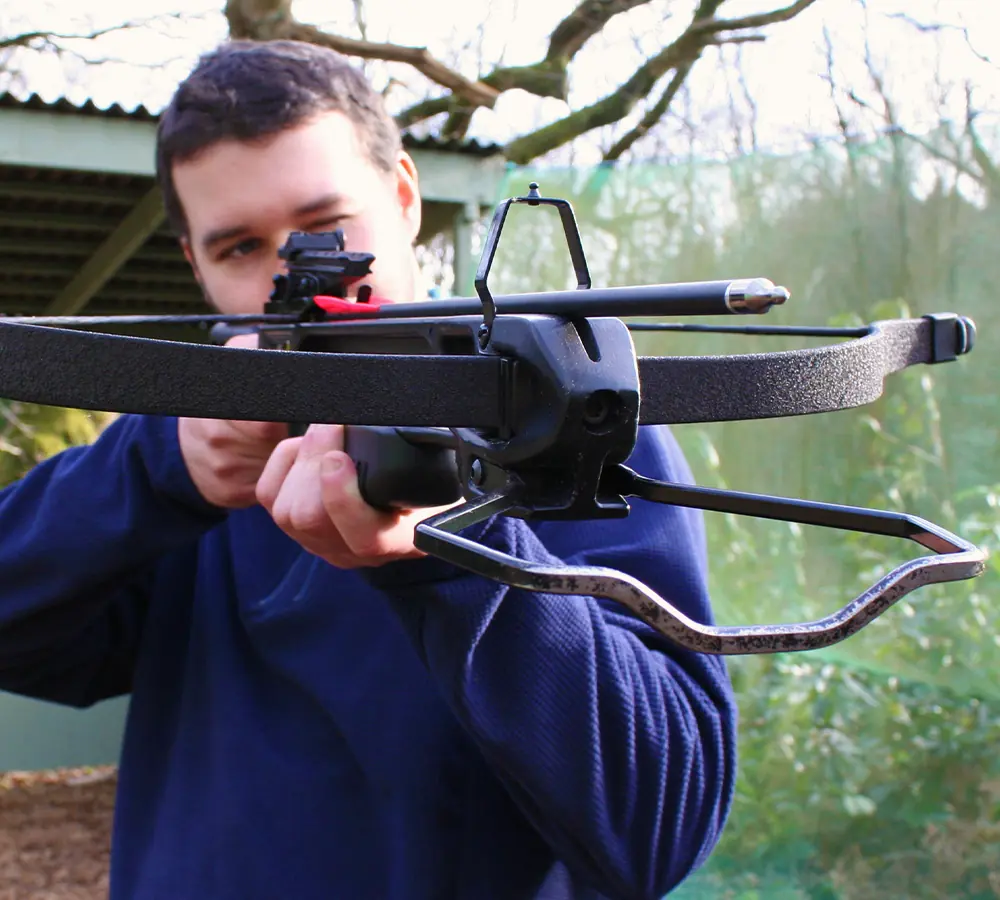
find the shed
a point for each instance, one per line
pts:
(82, 231)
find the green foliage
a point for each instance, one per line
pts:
(868, 769)
(30, 433)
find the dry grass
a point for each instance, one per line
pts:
(55, 832)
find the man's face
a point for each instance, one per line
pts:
(241, 200)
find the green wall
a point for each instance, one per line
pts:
(36, 735)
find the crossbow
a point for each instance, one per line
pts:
(524, 405)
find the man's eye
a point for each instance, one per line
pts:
(243, 248)
(326, 224)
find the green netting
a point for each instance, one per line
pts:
(869, 769)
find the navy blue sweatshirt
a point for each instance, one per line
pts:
(406, 732)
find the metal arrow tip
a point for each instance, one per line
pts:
(755, 295)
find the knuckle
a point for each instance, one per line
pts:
(264, 494)
(217, 439)
(288, 447)
(308, 519)
(225, 470)
(368, 545)
(282, 515)
(266, 432)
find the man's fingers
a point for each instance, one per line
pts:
(289, 487)
(367, 532)
(262, 432)
(276, 471)
(310, 488)
(244, 340)
(321, 439)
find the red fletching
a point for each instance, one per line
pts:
(340, 306)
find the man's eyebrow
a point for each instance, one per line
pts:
(316, 205)
(221, 234)
(224, 234)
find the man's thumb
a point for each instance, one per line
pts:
(250, 341)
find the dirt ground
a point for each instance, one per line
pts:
(55, 833)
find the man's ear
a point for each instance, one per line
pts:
(189, 256)
(408, 193)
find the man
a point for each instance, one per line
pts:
(317, 710)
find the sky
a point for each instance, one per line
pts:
(925, 73)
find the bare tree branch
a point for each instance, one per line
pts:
(608, 109)
(990, 171)
(546, 78)
(938, 153)
(718, 40)
(457, 124)
(82, 46)
(878, 79)
(830, 78)
(748, 98)
(29, 38)
(656, 112)
(982, 169)
(359, 18)
(861, 250)
(734, 115)
(425, 109)
(272, 19)
(900, 273)
(616, 105)
(942, 26)
(474, 92)
(759, 20)
(588, 19)
(683, 52)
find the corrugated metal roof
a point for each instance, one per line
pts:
(471, 146)
(51, 222)
(53, 219)
(64, 105)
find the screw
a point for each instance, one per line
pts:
(596, 409)
(476, 472)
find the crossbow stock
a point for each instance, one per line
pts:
(523, 405)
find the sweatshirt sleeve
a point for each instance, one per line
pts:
(79, 538)
(620, 747)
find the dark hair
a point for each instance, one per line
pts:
(246, 90)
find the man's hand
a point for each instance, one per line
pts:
(225, 459)
(310, 488)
